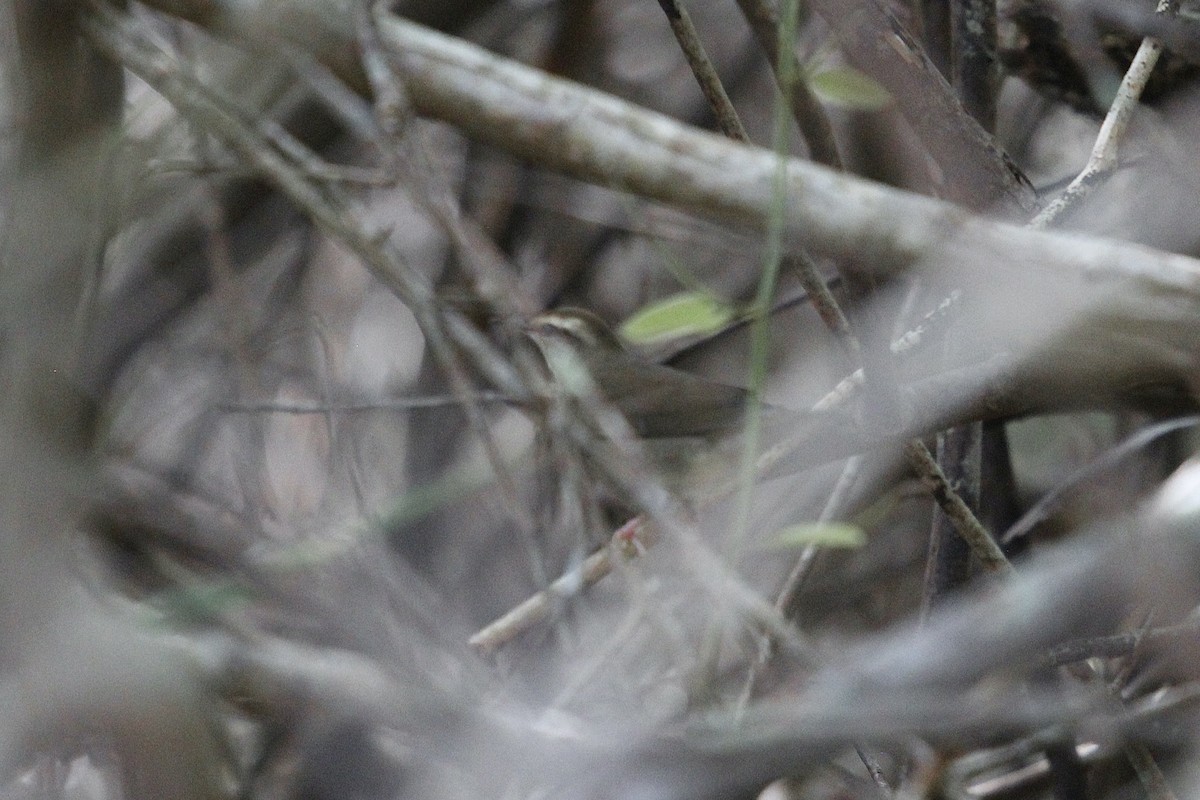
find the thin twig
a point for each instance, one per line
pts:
(1104, 157)
(875, 770)
(1054, 499)
(1149, 772)
(976, 73)
(786, 596)
(1120, 644)
(706, 74)
(798, 260)
(627, 541)
(400, 404)
(810, 117)
(833, 507)
(964, 520)
(948, 564)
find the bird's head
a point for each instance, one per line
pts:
(577, 328)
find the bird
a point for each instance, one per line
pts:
(659, 402)
(688, 426)
(691, 427)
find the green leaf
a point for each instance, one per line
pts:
(830, 534)
(849, 88)
(684, 314)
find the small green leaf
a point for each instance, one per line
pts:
(849, 88)
(830, 534)
(684, 314)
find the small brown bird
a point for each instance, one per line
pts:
(658, 401)
(687, 425)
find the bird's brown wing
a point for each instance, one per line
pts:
(663, 402)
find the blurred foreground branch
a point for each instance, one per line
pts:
(77, 675)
